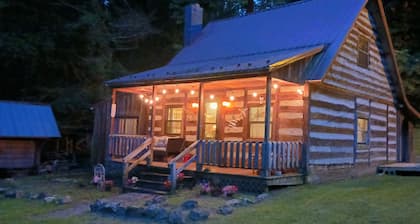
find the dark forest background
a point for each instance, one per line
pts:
(61, 51)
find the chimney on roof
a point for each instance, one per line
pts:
(193, 22)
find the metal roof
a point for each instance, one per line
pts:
(268, 35)
(24, 120)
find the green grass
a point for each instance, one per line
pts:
(377, 199)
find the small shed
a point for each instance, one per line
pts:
(23, 128)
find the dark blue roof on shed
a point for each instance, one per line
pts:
(24, 120)
(302, 25)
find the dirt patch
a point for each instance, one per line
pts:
(128, 199)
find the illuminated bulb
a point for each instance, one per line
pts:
(231, 98)
(194, 105)
(192, 92)
(150, 101)
(213, 106)
(254, 94)
(211, 96)
(141, 96)
(299, 91)
(164, 91)
(275, 86)
(156, 99)
(176, 90)
(226, 104)
(146, 100)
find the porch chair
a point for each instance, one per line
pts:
(159, 147)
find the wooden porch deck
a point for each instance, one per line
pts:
(399, 168)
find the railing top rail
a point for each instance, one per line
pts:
(136, 151)
(184, 152)
(249, 141)
(125, 135)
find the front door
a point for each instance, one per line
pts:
(211, 120)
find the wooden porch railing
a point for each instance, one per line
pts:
(122, 145)
(135, 157)
(250, 155)
(191, 149)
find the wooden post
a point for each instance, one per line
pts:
(266, 145)
(172, 177)
(306, 139)
(152, 124)
(199, 167)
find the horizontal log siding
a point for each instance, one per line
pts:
(17, 154)
(392, 134)
(331, 127)
(346, 74)
(289, 121)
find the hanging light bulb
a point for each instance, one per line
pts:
(177, 90)
(275, 86)
(192, 92)
(146, 100)
(231, 98)
(150, 101)
(254, 94)
(141, 96)
(157, 98)
(211, 96)
(164, 91)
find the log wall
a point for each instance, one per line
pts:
(18, 154)
(349, 91)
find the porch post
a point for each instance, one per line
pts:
(152, 122)
(266, 144)
(199, 167)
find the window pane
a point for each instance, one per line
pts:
(256, 130)
(175, 113)
(210, 131)
(211, 113)
(256, 113)
(362, 130)
(363, 52)
(127, 126)
(173, 127)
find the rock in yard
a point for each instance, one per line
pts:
(50, 199)
(67, 199)
(199, 214)
(189, 204)
(246, 201)
(261, 197)
(10, 194)
(176, 217)
(233, 203)
(97, 206)
(111, 208)
(225, 210)
(154, 211)
(41, 196)
(134, 212)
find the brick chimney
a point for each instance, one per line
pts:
(193, 22)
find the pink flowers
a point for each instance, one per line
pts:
(229, 190)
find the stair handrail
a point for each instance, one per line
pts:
(172, 164)
(138, 150)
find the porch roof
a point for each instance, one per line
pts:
(233, 66)
(257, 41)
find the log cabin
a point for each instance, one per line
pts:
(23, 129)
(306, 92)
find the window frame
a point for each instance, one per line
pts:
(258, 122)
(365, 132)
(205, 122)
(167, 120)
(363, 52)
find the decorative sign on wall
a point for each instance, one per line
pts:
(236, 120)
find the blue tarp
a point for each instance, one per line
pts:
(24, 120)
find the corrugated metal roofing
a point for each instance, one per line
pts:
(24, 120)
(282, 30)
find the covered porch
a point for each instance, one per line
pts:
(243, 126)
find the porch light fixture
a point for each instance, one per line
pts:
(211, 96)
(141, 96)
(275, 86)
(164, 91)
(192, 92)
(300, 91)
(254, 94)
(213, 105)
(194, 105)
(176, 90)
(226, 104)
(232, 98)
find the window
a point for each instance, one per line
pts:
(210, 120)
(257, 122)
(362, 131)
(363, 52)
(127, 126)
(174, 120)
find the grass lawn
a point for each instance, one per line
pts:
(377, 199)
